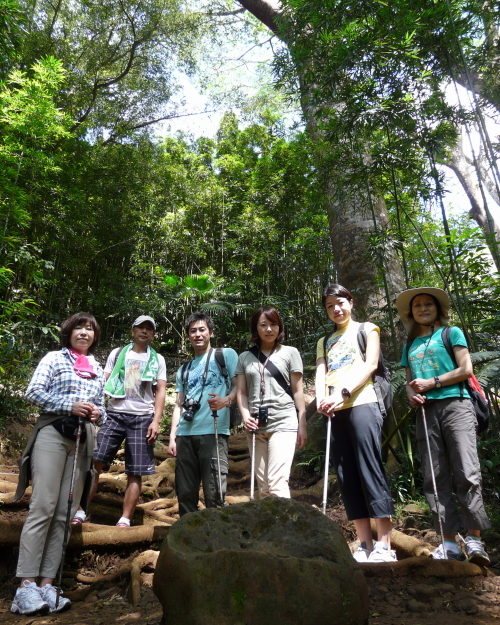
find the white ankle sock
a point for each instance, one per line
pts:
(124, 520)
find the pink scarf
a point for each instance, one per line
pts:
(82, 365)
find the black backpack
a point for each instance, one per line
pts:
(381, 377)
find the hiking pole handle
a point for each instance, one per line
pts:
(327, 454)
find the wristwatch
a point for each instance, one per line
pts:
(345, 393)
(437, 382)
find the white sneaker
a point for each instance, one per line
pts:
(381, 553)
(361, 555)
(28, 600)
(438, 554)
(49, 594)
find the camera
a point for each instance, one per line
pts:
(262, 416)
(191, 407)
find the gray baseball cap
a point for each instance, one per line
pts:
(142, 319)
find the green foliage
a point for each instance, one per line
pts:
(31, 126)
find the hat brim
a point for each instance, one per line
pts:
(404, 299)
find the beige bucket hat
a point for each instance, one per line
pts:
(404, 299)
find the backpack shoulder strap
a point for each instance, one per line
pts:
(185, 374)
(325, 340)
(409, 343)
(445, 337)
(362, 340)
(120, 349)
(273, 370)
(219, 358)
(221, 361)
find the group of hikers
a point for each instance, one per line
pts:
(266, 383)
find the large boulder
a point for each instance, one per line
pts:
(270, 562)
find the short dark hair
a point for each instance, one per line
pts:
(199, 316)
(75, 320)
(273, 316)
(438, 305)
(336, 290)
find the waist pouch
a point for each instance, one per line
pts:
(68, 427)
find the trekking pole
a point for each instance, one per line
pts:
(327, 455)
(68, 513)
(436, 499)
(252, 470)
(215, 415)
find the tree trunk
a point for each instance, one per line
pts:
(349, 212)
(467, 176)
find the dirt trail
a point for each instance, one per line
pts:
(395, 599)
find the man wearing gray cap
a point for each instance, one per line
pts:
(136, 380)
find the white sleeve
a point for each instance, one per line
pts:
(110, 362)
(162, 369)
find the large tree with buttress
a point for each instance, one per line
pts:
(355, 209)
(373, 78)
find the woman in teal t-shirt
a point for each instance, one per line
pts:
(433, 378)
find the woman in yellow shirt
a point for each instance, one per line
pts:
(356, 423)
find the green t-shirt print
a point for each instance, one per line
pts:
(428, 358)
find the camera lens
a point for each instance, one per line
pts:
(188, 415)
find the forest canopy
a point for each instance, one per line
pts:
(100, 213)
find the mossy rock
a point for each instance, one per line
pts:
(270, 562)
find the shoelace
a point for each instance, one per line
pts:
(32, 593)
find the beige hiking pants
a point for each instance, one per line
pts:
(274, 453)
(40, 549)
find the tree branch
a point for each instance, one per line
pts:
(150, 122)
(265, 11)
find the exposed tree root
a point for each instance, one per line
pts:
(423, 567)
(132, 568)
(316, 490)
(161, 453)
(236, 457)
(160, 504)
(406, 546)
(91, 535)
(148, 558)
(233, 481)
(7, 486)
(242, 467)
